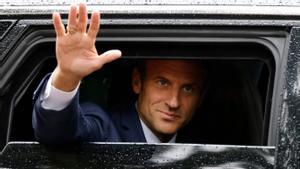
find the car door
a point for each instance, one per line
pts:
(248, 118)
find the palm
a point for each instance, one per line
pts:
(75, 49)
(77, 53)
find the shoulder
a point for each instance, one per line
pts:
(126, 108)
(124, 114)
(92, 109)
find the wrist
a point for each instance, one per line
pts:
(64, 81)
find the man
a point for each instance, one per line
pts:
(169, 92)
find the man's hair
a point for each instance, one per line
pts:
(141, 68)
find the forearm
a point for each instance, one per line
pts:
(69, 123)
(56, 99)
(55, 116)
(56, 127)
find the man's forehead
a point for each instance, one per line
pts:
(185, 69)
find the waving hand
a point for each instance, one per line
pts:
(76, 53)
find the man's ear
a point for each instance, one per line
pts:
(136, 81)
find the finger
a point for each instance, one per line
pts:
(72, 18)
(94, 25)
(58, 26)
(82, 18)
(109, 56)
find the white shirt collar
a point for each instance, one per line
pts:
(149, 135)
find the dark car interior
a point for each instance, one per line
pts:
(235, 109)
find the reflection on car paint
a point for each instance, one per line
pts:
(289, 131)
(9, 33)
(136, 155)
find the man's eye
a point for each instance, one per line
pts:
(162, 82)
(188, 89)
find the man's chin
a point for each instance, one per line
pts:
(168, 131)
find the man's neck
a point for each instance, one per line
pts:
(164, 138)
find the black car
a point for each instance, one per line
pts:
(249, 117)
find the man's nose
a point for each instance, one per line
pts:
(174, 101)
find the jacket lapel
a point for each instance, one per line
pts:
(131, 126)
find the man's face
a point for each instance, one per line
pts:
(168, 95)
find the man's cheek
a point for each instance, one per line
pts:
(157, 99)
(193, 104)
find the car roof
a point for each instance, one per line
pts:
(225, 7)
(156, 2)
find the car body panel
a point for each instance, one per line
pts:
(138, 155)
(18, 22)
(288, 146)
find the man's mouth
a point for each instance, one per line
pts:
(169, 116)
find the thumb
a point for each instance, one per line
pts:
(109, 56)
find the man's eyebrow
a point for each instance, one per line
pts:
(196, 83)
(160, 77)
(193, 84)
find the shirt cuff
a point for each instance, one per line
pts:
(55, 99)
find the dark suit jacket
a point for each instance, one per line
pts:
(85, 122)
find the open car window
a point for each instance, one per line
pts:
(234, 110)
